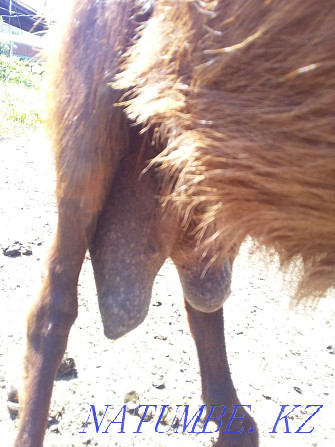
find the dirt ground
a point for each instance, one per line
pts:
(278, 356)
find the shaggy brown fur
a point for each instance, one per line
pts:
(243, 94)
(234, 102)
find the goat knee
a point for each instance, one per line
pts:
(53, 314)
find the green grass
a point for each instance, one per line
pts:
(22, 96)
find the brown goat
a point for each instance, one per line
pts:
(234, 103)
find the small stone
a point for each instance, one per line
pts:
(55, 415)
(169, 417)
(17, 249)
(330, 349)
(27, 251)
(13, 251)
(149, 414)
(159, 382)
(67, 368)
(132, 400)
(157, 304)
(297, 389)
(13, 401)
(160, 337)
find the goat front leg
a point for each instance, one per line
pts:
(204, 298)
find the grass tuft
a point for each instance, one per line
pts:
(22, 96)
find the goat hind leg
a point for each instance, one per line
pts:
(51, 317)
(218, 388)
(83, 180)
(89, 136)
(85, 166)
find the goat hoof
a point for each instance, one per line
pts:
(234, 440)
(247, 438)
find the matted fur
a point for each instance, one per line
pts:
(243, 95)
